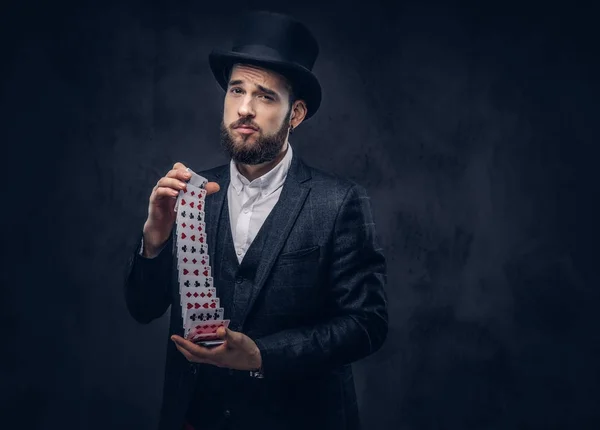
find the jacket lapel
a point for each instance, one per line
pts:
(293, 194)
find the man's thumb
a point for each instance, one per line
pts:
(225, 333)
(211, 188)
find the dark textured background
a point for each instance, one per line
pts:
(473, 127)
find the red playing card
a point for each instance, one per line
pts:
(190, 238)
(194, 271)
(191, 227)
(201, 304)
(195, 260)
(195, 192)
(206, 330)
(198, 293)
(191, 196)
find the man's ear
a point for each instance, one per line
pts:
(299, 111)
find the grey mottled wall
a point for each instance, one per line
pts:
(472, 127)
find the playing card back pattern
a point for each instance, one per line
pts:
(200, 307)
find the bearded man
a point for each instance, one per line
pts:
(296, 261)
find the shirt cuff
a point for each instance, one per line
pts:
(141, 253)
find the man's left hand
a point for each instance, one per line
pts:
(237, 352)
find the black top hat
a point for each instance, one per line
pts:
(276, 42)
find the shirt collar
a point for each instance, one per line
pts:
(267, 183)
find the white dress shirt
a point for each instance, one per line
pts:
(250, 203)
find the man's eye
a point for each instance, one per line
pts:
(236, 90)
(266, 97)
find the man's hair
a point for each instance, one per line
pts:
(288, 85)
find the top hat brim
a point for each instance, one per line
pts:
(305, 83)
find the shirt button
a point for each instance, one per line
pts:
(239, 252)
(246, 210)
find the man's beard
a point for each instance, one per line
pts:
(262, 150)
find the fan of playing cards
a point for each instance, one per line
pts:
(200, 309)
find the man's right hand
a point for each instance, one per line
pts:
(161, 209)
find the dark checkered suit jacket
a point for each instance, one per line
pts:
(315, 305)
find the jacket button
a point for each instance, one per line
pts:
(239, 280)
(193, 368)
(227, 413)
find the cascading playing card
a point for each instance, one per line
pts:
(193, 272)
(204, 315)
(197, 293)
(197, 260)
(206, 331)
(189, 199)
(202, 282)
(184, 249)
(190, 239)
(205, 304)
(190, 227)
(192, 215)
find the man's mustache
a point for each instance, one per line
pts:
(245, 122)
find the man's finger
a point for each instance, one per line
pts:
(184, 175)
(192, 357)
(180, 174)
(185, 353)
(196, 350)
(163, 192)
(179, 165)
(172, 183)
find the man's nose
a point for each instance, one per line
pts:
(246, 107)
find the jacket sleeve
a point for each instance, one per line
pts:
(357, 323)
(147, 283)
